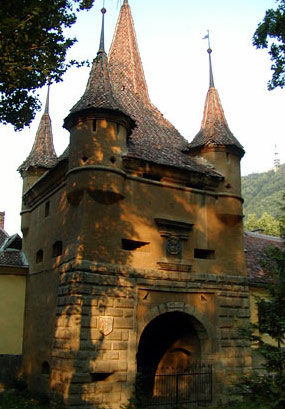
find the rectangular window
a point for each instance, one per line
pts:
(204, 254)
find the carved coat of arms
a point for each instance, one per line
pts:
(105, 325)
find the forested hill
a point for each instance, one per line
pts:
(262, 192)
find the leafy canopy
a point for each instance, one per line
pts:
(269, 224)
(33, 51)
(268, 389)
(273, 28)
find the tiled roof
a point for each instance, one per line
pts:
(154, 138)
(214, 129)
(99, 91)
(3, 236)
(10, 251)
(255, 246)
(124, 57)
(42, 154)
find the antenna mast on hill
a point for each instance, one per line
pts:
(276, 159)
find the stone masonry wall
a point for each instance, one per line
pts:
(97, 331)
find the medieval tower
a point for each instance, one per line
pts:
(134, 239)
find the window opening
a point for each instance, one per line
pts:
(47, 206)
(57, 249)
(45, 368)
(99, 376)
(39, 256)
(132, 245)
(151, 176)
(204, 254)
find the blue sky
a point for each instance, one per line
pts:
(175, 62)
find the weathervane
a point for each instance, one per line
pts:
(207, 36)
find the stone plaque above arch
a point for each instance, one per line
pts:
(174, 228)
(173, 232)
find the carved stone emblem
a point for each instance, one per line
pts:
(173, 246)
(105, 325)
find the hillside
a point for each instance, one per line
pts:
(262, 192)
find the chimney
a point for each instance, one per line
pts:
(2, 220)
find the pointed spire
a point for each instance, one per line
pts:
(209, 51)
(99, 92)
(102, 45)
(124, 58)
(46, 111)
(211, 69)
(214, 128)
(42, 154)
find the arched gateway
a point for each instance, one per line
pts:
(172, 359)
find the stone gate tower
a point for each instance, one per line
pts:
(135, 243)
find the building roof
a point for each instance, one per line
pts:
(99, 92)
(124, 57)
(255, 247)
(154, 139)
(11, 254)
(214, 128)
(43, 153)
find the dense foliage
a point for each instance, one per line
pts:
(269, 224)
(262, 192)
(270, 33)
(33, 50)
(268, 388)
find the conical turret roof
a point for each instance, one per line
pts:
(99, 93)
(214, 128)
(124, 57)
(154, 139)
(43, 153)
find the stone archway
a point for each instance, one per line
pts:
(170, 343)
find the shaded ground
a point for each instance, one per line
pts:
(13, 399)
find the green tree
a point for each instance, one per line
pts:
(267, 222)
(273, 28)
(33, 50)
(268, 389)
(252, 222)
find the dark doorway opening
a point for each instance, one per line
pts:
(169, 361)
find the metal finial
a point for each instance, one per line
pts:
(47, 101)
(209, 51)
(102, 46)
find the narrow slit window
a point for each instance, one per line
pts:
(94, 125)
(47, 207)
(57, 249)
(133, 245)
(204, 254)
(39, 256)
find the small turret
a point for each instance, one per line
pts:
(42, 156)
(215, 141)
(98, 128)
